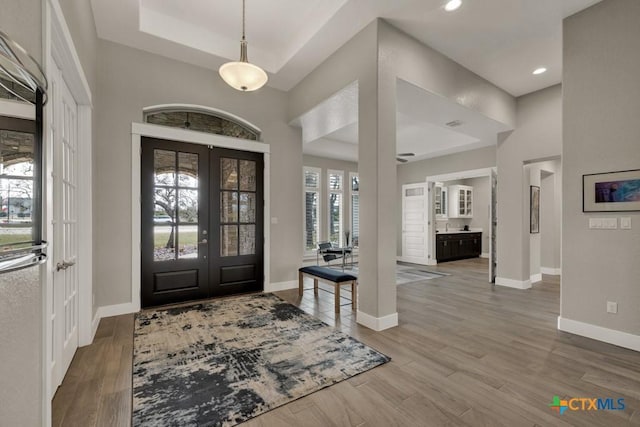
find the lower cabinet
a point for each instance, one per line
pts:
(458, 246)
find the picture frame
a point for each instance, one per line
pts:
(534, 209)
(611, 191)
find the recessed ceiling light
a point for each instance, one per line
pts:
(452, 5)
(539, 70)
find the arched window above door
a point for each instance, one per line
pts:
(202, 120)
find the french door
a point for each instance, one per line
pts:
(64, 316)
(202, 222)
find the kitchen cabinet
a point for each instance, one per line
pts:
(441, 201)
(460, 201)
(451, 246)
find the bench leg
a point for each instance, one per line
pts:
(354, 296)
(315, 287)
(337, 286)
(300, 283)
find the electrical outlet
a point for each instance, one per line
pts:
(612, 307)
(625, 223)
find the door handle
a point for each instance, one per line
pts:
(64, 265)
(203, 242)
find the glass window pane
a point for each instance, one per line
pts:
(311, 179)
(335, 181)
(228, 206)
(164, 167)
(228, 174)
(164, 200)
(228, 240)
(311, 220)
(247, 207)
(188, 206)
(164, 243)
(247, 239)
(16, 194)
(247, 175)
(355, 183)
(187, 241)
(188, 170)
(335, 218)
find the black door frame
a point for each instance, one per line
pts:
(261, 254)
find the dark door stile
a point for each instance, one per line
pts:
(209, 273)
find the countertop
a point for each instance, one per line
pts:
(471, 230)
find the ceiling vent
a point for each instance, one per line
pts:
(454, 123)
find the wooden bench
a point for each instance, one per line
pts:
(336, 278)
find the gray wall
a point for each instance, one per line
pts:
(325, 164)
(601, 134)
(21, 304)
(129, 80)
(409, 173)
(538, 136)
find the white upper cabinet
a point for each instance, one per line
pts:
(441, 201)
(460, 201)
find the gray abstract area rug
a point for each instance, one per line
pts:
(222, 362)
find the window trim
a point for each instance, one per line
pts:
(318, 189)
(351, 194)
(328, 213)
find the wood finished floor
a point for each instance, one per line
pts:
(463, 354)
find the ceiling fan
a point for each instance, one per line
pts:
(399, 157)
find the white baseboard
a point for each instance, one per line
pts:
(551, 271)
(611, 336)
(535, 278)
(510, 283)
(484, 255)
(94, 324)
(281, 286)
(377, 323)
(117, 310)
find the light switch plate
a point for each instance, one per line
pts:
(612, 307)
(595, 223)
(625, 223)
(610, 223)
(274, 220)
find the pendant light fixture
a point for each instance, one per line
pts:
(242, 75)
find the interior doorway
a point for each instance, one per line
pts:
(202, 221)
(462, 218)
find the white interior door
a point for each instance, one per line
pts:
(415, 223)
(65, 238)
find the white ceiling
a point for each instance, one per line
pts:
(421, 128)
(500, 40)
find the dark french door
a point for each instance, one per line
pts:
(202, 222)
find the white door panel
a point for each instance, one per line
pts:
(414, 222)
(64, 316)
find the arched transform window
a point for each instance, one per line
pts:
(203, 121)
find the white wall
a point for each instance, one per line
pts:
(601, 134)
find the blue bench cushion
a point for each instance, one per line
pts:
(328, 274)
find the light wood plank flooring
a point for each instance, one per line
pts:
(463, 354)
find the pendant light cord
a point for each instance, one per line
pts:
(243, 19)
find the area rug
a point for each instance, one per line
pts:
(223, 362)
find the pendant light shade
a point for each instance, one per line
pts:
(242, 75)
